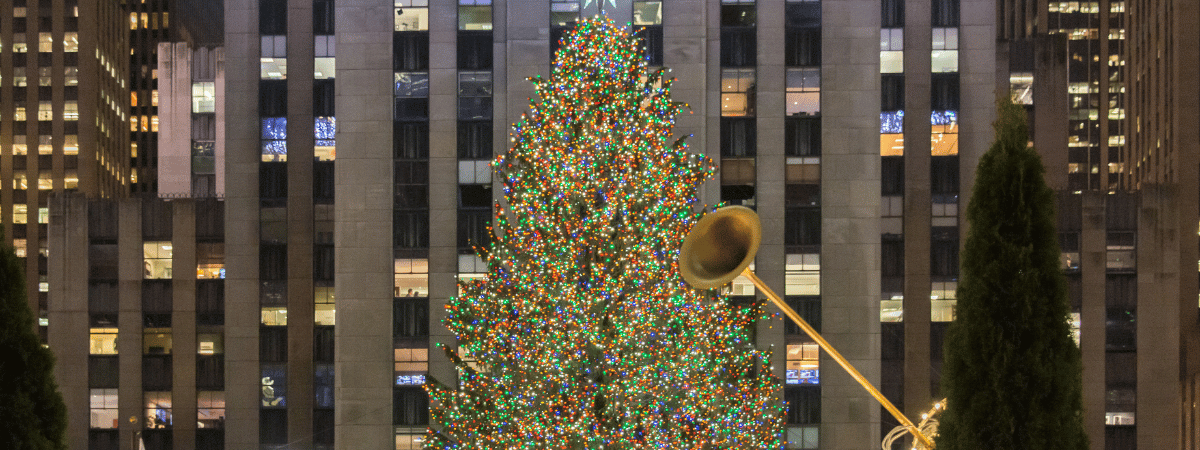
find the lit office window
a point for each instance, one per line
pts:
(102, 341)
(563, 12)
(804, 92)
(411, 278)
(474, 15)
(737, 92)
(325, 52)
(943, 300)
(71, 42)
(891, 50)
(945, 50)
(157, 259)
(803, 366)
(45, 42)
(19, 45)
(210, 409)
(944, 129)
(647, 12)
(411, 364)
(274, 139)
(412, 15)
(273, 59)
(204, 97)
(323, 305)
(325, 130)
(210, 260)
(802, 272)
(158, 409)
(103, 408)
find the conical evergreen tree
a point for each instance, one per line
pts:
(582, 334)
(1012, 373)
(31, 409)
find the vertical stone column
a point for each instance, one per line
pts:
(685, 52)
(129, 321)
(443, 180)
(1092, 314)
(1159, 318)
(242, 159)
(183, 324)
(917, 208)
(770, 166)
(977, 69)
(363, 226)
(850, 223)
(68, 314)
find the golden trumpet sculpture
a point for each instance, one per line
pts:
(721, 246)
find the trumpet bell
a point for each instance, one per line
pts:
(720, 246)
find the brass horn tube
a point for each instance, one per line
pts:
(841, 360)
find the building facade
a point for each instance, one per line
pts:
(334, 266)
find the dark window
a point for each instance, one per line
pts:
(474, 196)
(272, 180)
(892, 341)
(103, 372)
(102, 261)
(474, 108)
(410, 140)
(156, 221)
(943, 257)
(892, 180)
(411, 108)
(323, 427)
(738, 47)
(802, 47)
(1122, 437)
(473, 227)
(891, 89)
(323, 177)
(410, 229)
(210, 219)
(809, 308)
(475, 140)
(1120, 330)
(323, 344)
(803, 404)
(892, 256)
(803, 14)
(410, 406)
(738, 194)
(103, 440)
(323, 95)
(802, 195)
(272, 426)
(652, 40)
(323, 263)
(272, 98)
(272, 262)
(943, 175)
(156, 372)
(410, 318)
(272, 344)
(892, 14)
(210, 372)
(474, 50)
(272, 17)
(102, 221)
(738, 136)
(157, 439)
(1121, 291)
(944, 13)
(210, 302)
(943, 91)
(802, 136)
(802, 226)
(410, 50)
(323, 17)
(210, 439)
(102, 298)
(156, 297)
(738, 15)
(323, 388)
(411, 188)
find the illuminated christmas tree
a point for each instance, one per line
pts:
(583, 334)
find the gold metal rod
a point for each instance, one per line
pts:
(808, 329)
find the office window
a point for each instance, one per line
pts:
(411, 364)
(892, 181)
(103, 408)
(411, 277)
(739, 44)
(410, 51)
(272, 17)
(563, 13)
(945, 50)
(273, 58)
(323, 17)
(737, 92)
(944, 91)
(410, 321)
(210, 409)
(944, 13)
(412, 15)
(891, 50)
(944, 138)
(324, 305)
(474, 223)
(474, 50)
(804, 92)
(802, 364)
(274, 139)
(158, 409)
(802, 136)
(803, 404)
(803, 438)
(204, 97)
(892, 14)
(412, 95)
(324, 133)
(474, 15)
(103, 341)
(157, 259)
(274, 386)
(410, 229)
(474, 95)
(410, 406)
(19, 45)
(802, 271)
(475, 142)
(323, 386)
(210, 260)
(943, 301)
(891, 91)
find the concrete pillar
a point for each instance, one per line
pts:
(770, 178)
(850, 222)
(1159, 315)
(1092, 314)
(917, 209)
(68, 314)
(183, 324)
(131, 408)
(363, 226)
(443, 180)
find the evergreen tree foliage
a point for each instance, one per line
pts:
(1012, 372)
(31, 409)
(582, 333)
